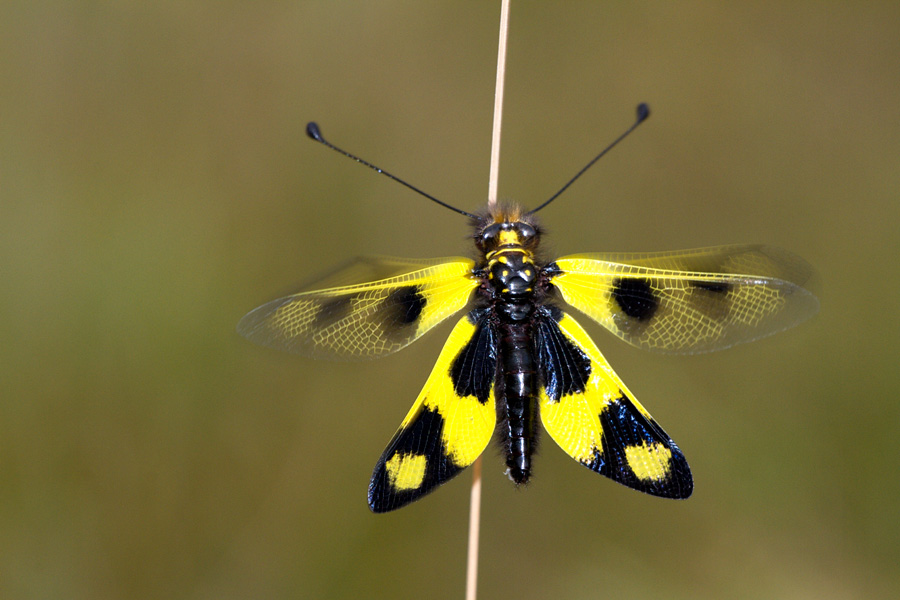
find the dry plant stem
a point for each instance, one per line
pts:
(475, 497)
(474, 523)
(498, 105)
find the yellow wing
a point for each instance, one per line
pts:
(589, 412)
(450, 423)
(364, 320)
(690, 301)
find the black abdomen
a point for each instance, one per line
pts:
(517, 401)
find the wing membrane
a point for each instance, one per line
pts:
(363, 269)
(691, 301)
(593, 417)
(450, 423)
(364, 320)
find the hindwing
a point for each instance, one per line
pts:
(450, 423)
(690, 301)
(589, 412)
(364, 320)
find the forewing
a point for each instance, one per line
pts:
(690, 301)
(364, 320)
(589, 412)
(450, 423)
(364, 269)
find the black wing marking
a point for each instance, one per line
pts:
(593, 417)
(450, 423)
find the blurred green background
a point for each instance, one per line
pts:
(156, 184)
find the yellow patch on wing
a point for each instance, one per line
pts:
(690, 301)
(406, 471)
(648, 461)
(573, 424)
(364, 320)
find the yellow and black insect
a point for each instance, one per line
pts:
(517, 356)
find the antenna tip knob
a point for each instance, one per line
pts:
(643, 111)
(312, 130)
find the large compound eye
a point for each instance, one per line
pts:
(490, 233)
(526, 231)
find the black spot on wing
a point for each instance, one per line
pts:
(474, 368)
(714, 287)
(421, 437)
(406, 303)
(564, 367)
(332, 311)
(635, 297)
(402, 309)
(624, 426)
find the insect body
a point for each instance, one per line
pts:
(516, 356)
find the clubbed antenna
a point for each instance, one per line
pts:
(313, 131)
(643, 111)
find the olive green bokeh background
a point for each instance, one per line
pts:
(156, 184)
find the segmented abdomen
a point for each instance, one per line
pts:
(517, 400)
